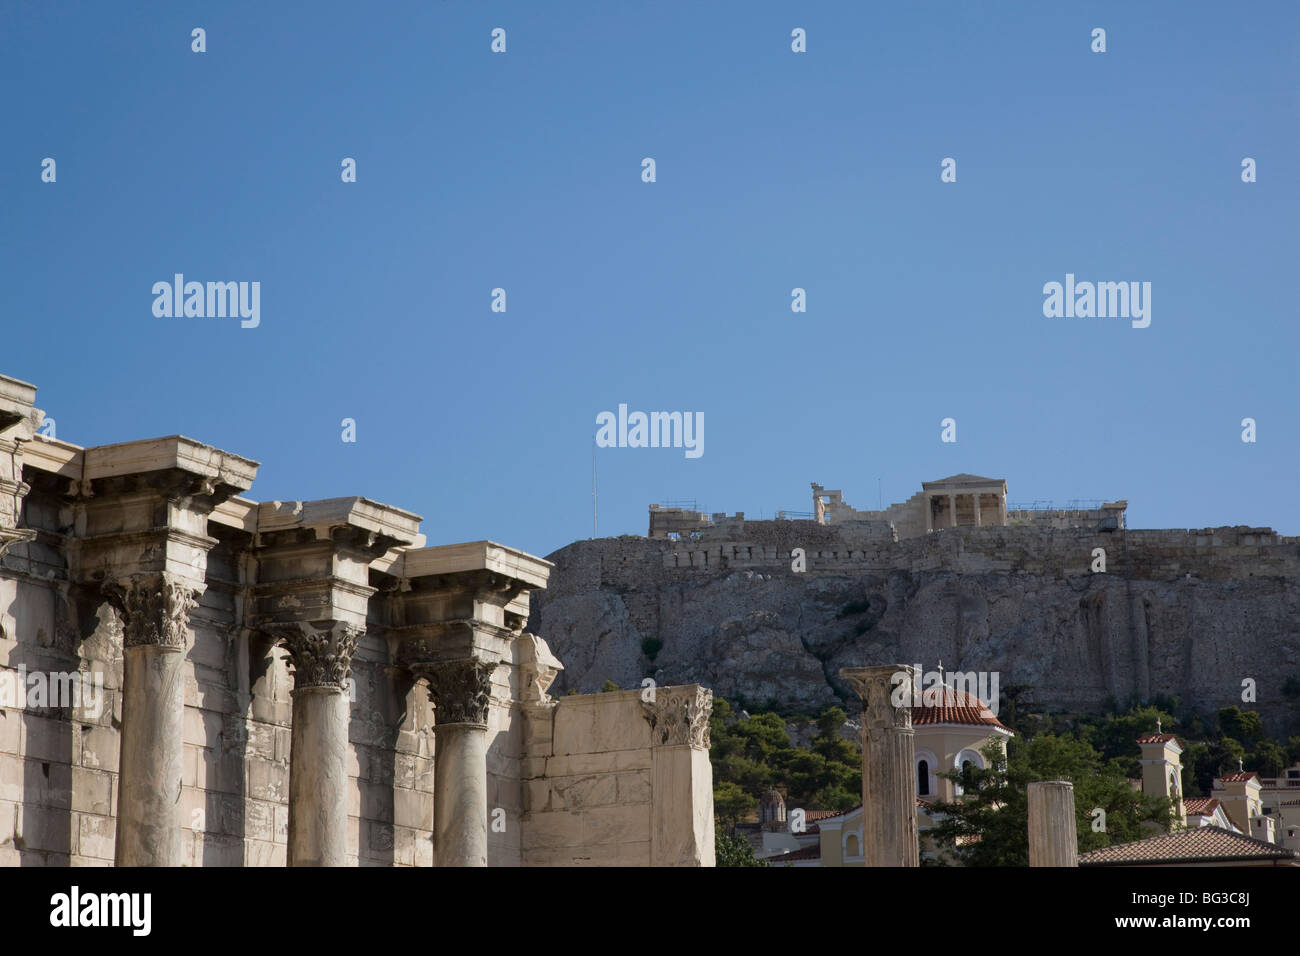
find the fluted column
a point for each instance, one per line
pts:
(318, 776)
(889, 835)
(155, 610)
(1053, 839)
(461, 692)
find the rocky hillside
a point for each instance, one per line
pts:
(1181, 613)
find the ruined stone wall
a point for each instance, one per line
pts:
(587, 783)
(1064, 518)
(612, 779)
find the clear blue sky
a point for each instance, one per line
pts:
(775, 170)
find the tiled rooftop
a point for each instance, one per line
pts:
(953, 707)
(1196, 845)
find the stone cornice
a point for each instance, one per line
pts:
(173, 452)
(518, 566)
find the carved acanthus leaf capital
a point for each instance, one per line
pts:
(679, 716)
(887, 693)
(321, 657)
(155, 609)
(461, 691)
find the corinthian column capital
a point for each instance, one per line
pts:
(679, 716)
(461, 690)
(878, 687)
(321, 656)
(155, 608)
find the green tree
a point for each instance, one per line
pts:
(1117, 734)
(1269, 758)
(989, 825)
(733, 850)
(1243, 725)
(609, 687)
(731, 804)
(830, 722)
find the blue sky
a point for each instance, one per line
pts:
(775, 170)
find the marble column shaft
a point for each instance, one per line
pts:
(889, 827)
(1053, 839)
(318, 776)
(155, 610)
(461, 692)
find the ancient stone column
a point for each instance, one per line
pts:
(888, 756)
(929, 513)
(1052, 837)
(952, 504)
(461, 692)
(318, 775)
(681, 815)
(155, 609)
(977, 509)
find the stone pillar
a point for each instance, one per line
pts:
(155, 609)
(681, 805)
(952, 503)
(16, 420)
(977, 509)
(461, 692)
(929, 513)
(1052, 837)
(889, 835)
(318, 755)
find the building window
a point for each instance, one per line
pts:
(922, 778)
(851, 846)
